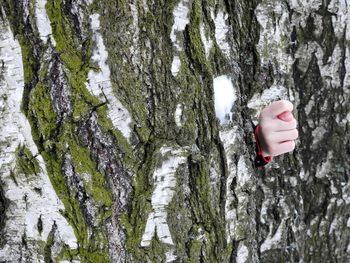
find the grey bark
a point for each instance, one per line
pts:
(123, 158)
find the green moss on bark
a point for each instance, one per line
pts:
(48, 138)
(96, 187)
(196, 46)
(40, 107)
(26, 162)
(134, 222)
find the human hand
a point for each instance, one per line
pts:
(277, 130)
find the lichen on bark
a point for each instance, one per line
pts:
(110, 86)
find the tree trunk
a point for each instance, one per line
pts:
(111, 151)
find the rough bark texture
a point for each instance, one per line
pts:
(110, 149)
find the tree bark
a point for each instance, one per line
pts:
(111, 150)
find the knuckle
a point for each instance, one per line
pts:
(283, 102)
(287, 104)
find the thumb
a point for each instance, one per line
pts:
(285, 116)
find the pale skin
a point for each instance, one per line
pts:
(278, 129)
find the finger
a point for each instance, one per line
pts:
(285, 126)
(285, 116)
(282, 136)
(278, 125)
(276, 108)
(285, 147)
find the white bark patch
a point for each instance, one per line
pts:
(221, 30)
(243, 174)
(305, 7)
(180, 14)
(273, 48)
(178, 115)
(175, 66)
(317, 135)
(303, 176)
(237, 219)
(99, 83)
(229, 139)
(242, 253)
(43, 22)
(274, 35)
(26, 205)
(134, 48)
(342, 9)
(263, 212)
(180, 21)
(273, 242)
(293, 181)
(335, 226)
(330, 70)
(225, 97)
(345, 190)
(259, 101)
(207, 42)
(347, 69)
(165, 182)
(323, 169)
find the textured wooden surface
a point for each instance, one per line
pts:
(110, 149)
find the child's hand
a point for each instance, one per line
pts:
(277, 128)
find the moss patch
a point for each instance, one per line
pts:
(26, 162)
